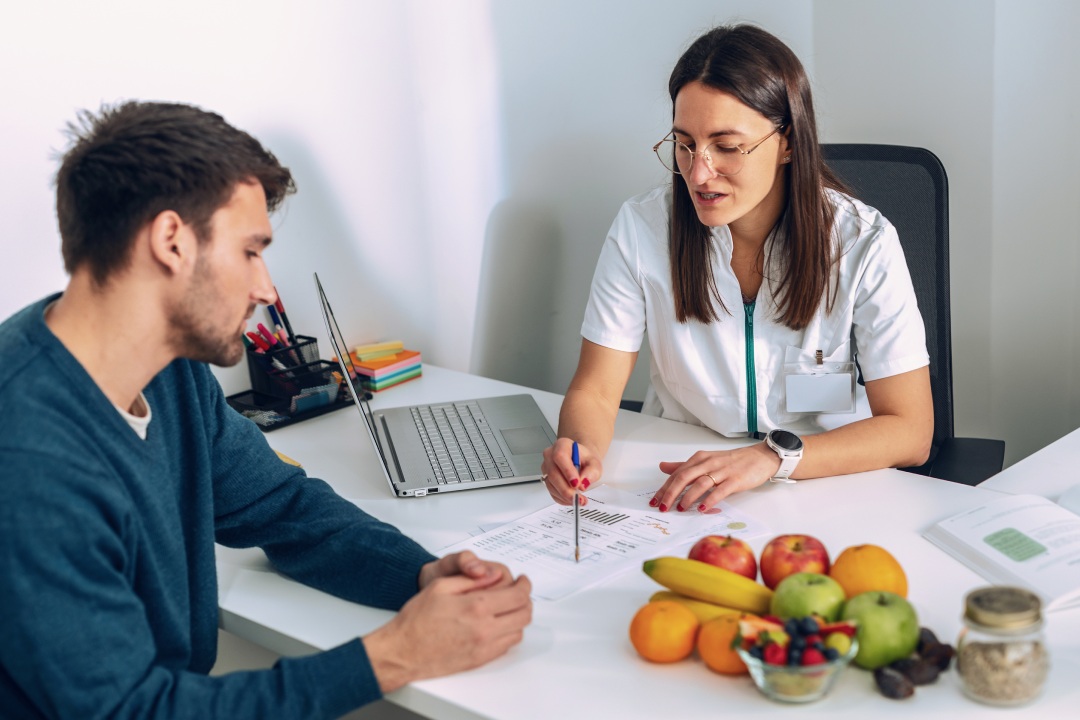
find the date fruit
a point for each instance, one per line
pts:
(893, 684)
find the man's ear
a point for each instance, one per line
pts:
(172, 242)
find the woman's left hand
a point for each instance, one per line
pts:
(710, 476)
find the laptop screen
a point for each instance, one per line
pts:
(344, 360)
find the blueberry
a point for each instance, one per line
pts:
(798, 642)
(831, 654)
(794, 656)
(809, 626)
(793, 627)
(757, 652)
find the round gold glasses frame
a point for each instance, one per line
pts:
(726, 160)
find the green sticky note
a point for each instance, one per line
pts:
(1014, 544)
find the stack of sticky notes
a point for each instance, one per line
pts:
(383, 365)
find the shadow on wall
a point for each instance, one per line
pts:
(515, 317)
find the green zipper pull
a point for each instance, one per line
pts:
(751, 372)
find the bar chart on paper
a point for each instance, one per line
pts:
(613, 539)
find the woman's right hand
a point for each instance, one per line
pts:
(560, 476)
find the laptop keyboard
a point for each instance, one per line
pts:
(460, 444)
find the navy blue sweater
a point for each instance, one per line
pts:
(108, 588)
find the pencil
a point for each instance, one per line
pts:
(577, 509)
(577, 532)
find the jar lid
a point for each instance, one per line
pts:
(1002, 606)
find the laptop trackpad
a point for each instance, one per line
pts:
(526, 440)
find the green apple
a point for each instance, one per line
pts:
(888, 628)
(808, 593)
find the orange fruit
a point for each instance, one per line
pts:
(714, 645)
(664, 631)
(868, 567)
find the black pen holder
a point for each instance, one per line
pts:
(280, 371)
(289, 385)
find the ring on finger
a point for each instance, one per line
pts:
(714, 482)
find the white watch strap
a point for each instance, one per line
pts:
(787, 466)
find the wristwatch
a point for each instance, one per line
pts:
(789, 447)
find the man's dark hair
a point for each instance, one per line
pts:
(132, 161)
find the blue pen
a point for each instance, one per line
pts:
(275, 319)
(577, 507)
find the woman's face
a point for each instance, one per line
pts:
(750, 200)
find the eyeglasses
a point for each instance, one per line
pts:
(722, 159)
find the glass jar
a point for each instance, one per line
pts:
(1001, 655)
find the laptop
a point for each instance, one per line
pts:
(445, 447)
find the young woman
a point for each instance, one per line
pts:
(757, 279)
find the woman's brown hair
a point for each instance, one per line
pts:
(764, 74)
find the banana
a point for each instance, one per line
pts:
(702, 581)
(705, 611)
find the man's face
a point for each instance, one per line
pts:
(230, 278)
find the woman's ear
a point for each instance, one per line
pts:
(785, 146)
(172, 242)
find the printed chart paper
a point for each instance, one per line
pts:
(615, 536)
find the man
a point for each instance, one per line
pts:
(121, 464)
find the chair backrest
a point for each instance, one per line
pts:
(909, 187)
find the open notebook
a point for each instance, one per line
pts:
(1024, 540)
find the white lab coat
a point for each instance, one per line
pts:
(699, 372)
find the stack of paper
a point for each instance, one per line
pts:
(375, 351)
(384, 365)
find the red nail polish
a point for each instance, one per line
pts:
(654, 502)
(701, 507)
(573, 483)
(663, 507)
(679, 508)
(585, 484)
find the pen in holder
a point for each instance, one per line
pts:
(295, 374)
(277, 371)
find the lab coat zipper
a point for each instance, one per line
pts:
(751, 373)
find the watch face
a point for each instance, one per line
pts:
(786, 440)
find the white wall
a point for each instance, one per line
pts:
(990, 88)
(1035, 348)
(921, 73)
(583, 97)
(434, 142)
(385, 111)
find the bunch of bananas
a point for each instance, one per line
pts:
(716, 591)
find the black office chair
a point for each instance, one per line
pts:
(910, 188)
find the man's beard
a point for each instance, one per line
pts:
(193, 333)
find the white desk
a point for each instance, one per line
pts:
(1049, 472)
(576, 659)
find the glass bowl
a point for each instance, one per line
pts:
(797, 683)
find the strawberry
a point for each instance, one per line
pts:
(775, 654)
(843, 626)
(812, 656)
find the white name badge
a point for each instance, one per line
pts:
(814, 384)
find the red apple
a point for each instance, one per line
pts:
(789, 554)
(726, 552)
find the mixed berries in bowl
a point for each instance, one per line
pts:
(797, 660)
